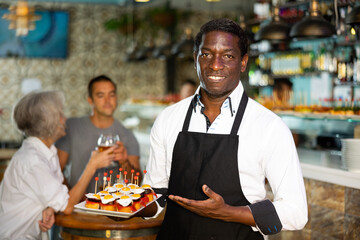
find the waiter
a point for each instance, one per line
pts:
(210, 153)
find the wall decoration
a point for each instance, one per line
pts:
(49, 39)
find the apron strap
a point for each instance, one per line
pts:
(188, 114)
(239, 114)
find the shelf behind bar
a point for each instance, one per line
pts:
(317, 116)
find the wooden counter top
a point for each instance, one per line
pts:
(7, 153)
(81, 220)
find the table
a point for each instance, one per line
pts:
(86, 226)
(5, 156)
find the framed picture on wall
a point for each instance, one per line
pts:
(49, 39)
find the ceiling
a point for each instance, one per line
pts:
(240, 6)
(223, 5)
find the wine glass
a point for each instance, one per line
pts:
(105, 141)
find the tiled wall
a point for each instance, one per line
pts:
(92, 51)
(334, 213)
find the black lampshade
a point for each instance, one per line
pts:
(130, 54)
(275, 31)
(313, 25)
(185, 47)
(144, 53)
(162, 52)
(353, 18)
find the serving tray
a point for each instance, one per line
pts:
(80, 207)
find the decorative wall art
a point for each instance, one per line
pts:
(49, 39)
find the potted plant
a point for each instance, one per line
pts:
(163, 17)
(126, 24)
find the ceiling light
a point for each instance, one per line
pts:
(275, 31)
(142, 0)
(313, 25)
(21, 18)
(213, 0)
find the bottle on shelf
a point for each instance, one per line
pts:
(341, 67)
(350, 67)
(357, 65)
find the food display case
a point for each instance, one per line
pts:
(318, 136)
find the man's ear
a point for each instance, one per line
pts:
(90, 101)
(244, 61)
(195, 55)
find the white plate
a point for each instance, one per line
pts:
(81, 207)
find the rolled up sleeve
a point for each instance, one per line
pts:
(46, 188)
(266, 218)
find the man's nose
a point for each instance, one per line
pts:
(107, 99)
(216, 63)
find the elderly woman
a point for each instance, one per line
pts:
(32, 188)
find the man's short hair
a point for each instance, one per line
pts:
(223, 25)
(101, 78)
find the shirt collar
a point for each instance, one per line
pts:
(233, 100)
(43, 149)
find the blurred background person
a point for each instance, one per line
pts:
(32, 188)
(82, 135)
(282, 92)
(187, 89)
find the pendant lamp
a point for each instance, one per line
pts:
(145, 52)
(131, 52)
(313, 25)
(242, 23)
(275, 31)
(185, 47)
(22, 18)
(164, 51)
(353, 18)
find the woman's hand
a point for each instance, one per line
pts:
(120, 153)
(102, 159)
(48, 219)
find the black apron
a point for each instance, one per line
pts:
(211, 159)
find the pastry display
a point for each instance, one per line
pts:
(121, 196)
(107, 203)
(149, 193)
(125, 204)
(92, 201)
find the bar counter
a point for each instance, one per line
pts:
(81, 226)
(327, 167)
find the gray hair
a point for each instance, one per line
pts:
(38, 113)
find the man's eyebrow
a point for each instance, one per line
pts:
(225, 50)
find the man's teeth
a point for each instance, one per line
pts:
(216, 77)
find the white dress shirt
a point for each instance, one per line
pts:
(32, 182)
(266, 150)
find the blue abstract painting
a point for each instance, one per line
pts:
(48, 40)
